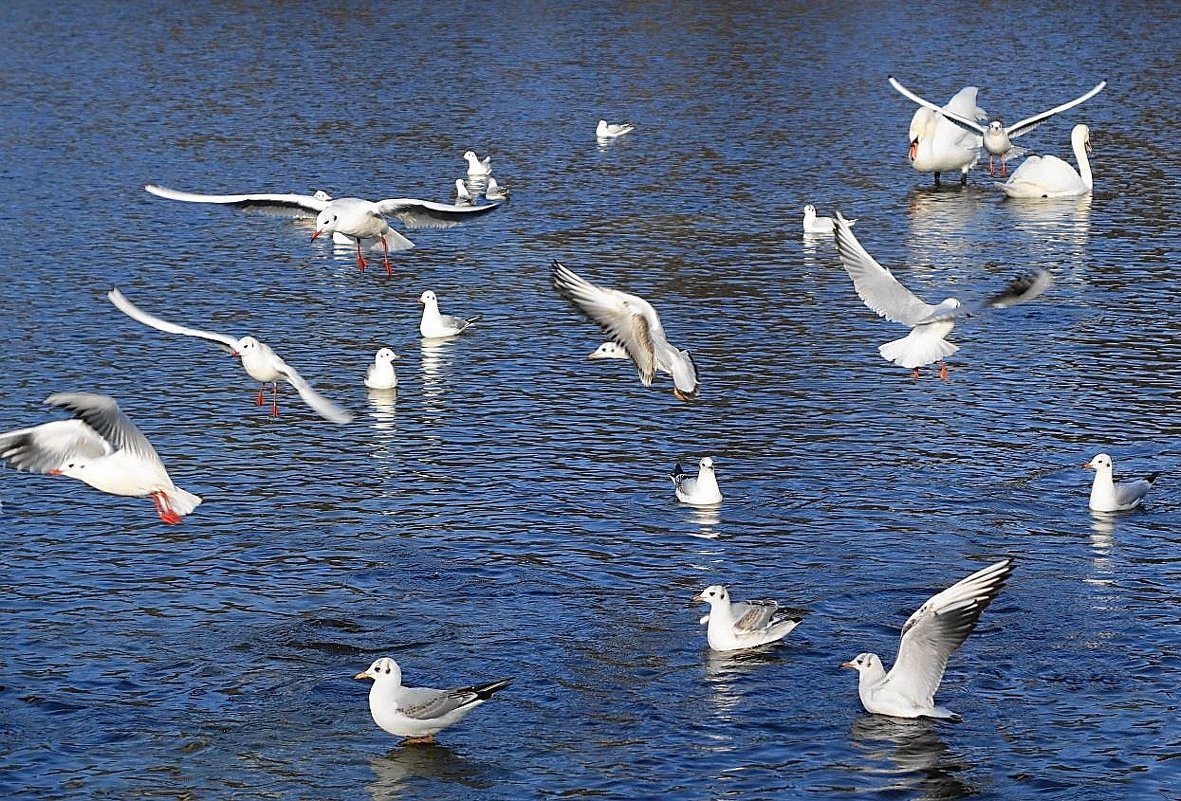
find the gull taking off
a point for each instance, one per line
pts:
(435, 325)
(381, 373)
(634, 324)
(419, 713)
(732, 626)
(997, 138)
(1109, 495)
(100, 447)
(929, 323)
(699, 490)
(929, 637)
(259, 361)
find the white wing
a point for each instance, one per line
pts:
(103, 415)
(876, 285)
(939, 627)
(415, 213)
(47, 447)
(124, 305)
(321, 405)
(683, 370)
(1029, 123)
(951, 116)
(629, 319)
(308, 203)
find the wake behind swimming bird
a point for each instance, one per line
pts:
(260, 362)
(100, 447)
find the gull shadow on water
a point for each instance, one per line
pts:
(406, 771)
(908, 756)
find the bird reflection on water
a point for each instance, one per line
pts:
(913, 754)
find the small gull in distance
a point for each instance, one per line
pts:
(929, 324)
(495, 191)
(419, 713)
(101, 447)
(699, 490)
(814, 224)
(929, 637)
(381, 373)
(607, 130)
(435, 325)
(259, 361)
(634, 324)
(1109, 495)
(735, 625)
(476, 166)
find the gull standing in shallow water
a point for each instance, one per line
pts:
(259, 361)
(732, 626)
(381, 373)
(929, 637)
(699, 490)
(419, 713)
(608, 130)
(100, 447)
(435, 325)
(997, 138)
(1109, 495)
(929, 323)
(635, 325)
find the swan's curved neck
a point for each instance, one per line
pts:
(1084, 163)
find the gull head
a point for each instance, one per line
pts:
(428, 298)
(246, 346)
(1101, 463)
(609, 350)
(75, 468)
(320, 194)
(995, 127)
(386, 355)
(383, 670)
(809, 210)
(706, 463)
(325, 223)
(865, 662)
(713, 594)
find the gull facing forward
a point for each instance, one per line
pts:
(732, 626)
(699, 490)
(419, 713)
(380, 374)
(1109, 495)
(929, 637)
(100, 447)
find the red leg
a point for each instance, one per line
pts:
(385, 246)
(163, 511)
(914, 373)
(943, 371)
(1004, 167)
(258, 402)
(990, 168)
(361, 259)
(275, 399)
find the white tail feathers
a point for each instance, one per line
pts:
(917, 349)
(181, 501)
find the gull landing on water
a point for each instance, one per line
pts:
(608, 130)
(100, 447)
(996, 137)
(929, 637)
(735, 625)
(1109, 495)
(635, 325)
(699, 490)
(929, 324)
(259, 361)
(419, 713)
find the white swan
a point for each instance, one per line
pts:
(997, 137)
(1050, 176)
(938, 145)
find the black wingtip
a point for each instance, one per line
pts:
(1152, 477)
(486, 691)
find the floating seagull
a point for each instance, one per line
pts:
(1050, 176)
(732, 626)
(818, 225)
(435, 325)
(606, 130)
(100, 447)
(633, 322)
(462, 196)
(929, 637)
(701, 490)
(259, 361)
(937, 145)
(381, 373)
(996, 136)
(495, 191)
(419, 713)
(929, 324)
(475, 166)
(1109, 495)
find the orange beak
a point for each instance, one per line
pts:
(914, 149)
(849, 665)
(1089, 466)
(315, 234)
(54, 473)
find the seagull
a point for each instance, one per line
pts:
(419, 713)
(100, 447)
(495, 191)
(634, 324)
(259, 361)
(996, 136)
(929, 323)
(1109, 495)
(606, 130)
(475, 166)
(701, 490)
(462, 196)
(435, 325)
(732, 626)
(929, 637)
(381, 373)
(817, 225)
(937, 145)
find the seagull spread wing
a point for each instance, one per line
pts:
(1029, 123)
(103, 414)
(47, 447)
(940, 626)
(124, 305)
(319, 404)
(415, 213)
(312, 204)
(875, 284)
(967, 124)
